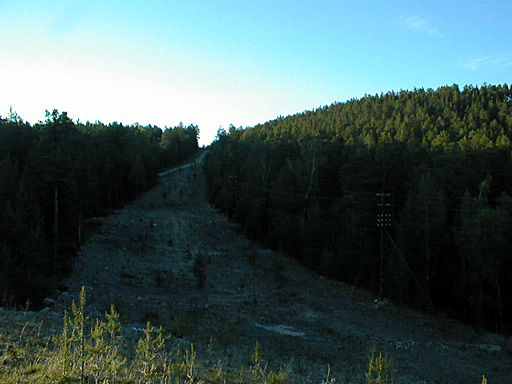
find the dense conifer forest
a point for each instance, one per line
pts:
(406, 193)
(57, 173)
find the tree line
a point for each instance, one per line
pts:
(57, 173)
(405, 193)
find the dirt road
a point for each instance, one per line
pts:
(142, 260)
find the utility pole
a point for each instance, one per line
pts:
(383, 220)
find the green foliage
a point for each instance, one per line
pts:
(84, 356)
(484, 241)
(94, 351)
(57, 173)
(259, 369)
(97, 355)
(256, 356)
(137, 175)
(378, 370)
(148, 350)
(179, 143)
(423, 228)
(307, 185)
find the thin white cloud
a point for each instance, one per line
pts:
(70, 15)
(493, 4)
(420, 24)
(487, 61)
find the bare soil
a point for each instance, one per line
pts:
(141, 259)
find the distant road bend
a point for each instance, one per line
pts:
(185, 166)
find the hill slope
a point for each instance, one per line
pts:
(433, 167)
(142, 259)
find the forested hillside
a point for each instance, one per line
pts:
(57, 173)
(406, 193)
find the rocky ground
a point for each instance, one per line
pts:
(142, 257)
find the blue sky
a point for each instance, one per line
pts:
(218, 62)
